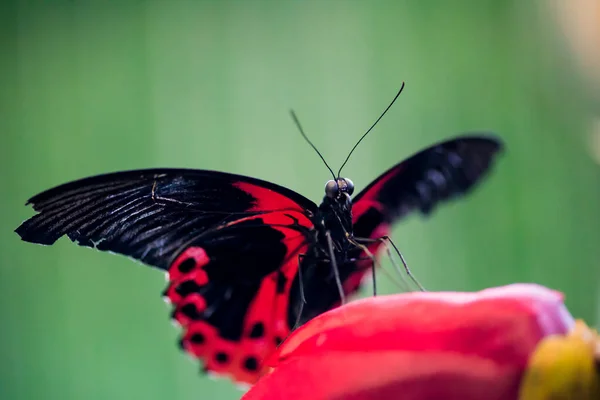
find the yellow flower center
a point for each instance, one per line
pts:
(564, 367)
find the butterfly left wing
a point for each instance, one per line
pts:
(440, 173)
(229, 243)
(149, 215)
(230, 293)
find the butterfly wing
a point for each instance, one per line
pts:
(229, 244)
(230, 292)
(440, 173)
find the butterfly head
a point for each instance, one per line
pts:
(336, 188)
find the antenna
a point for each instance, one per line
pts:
(369, 130)
(309, 142)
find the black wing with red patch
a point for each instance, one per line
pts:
(229, 243)
(230, 292)
(428, 178)
(440, 173)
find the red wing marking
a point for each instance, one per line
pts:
(367, 202)
(362, 206)
(267, 199)
(371, 192)
(271, 305)
(265, 323)
(197, 254)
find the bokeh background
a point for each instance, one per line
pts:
(92, 87)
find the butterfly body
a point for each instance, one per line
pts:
(247, 260)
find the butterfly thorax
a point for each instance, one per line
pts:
(334, 216)
(333, 224)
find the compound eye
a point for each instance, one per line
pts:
(331, 189)
(349, 186)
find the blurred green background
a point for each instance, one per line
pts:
(89, 88)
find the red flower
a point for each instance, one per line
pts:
(483, 345)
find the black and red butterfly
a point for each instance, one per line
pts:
(247, 260)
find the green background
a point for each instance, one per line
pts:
(89, 88)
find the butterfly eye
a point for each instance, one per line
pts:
(349, 186)
(331, 189)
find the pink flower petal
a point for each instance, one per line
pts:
(517, 316)
(418, 346)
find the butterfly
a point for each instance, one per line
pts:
(248, 260)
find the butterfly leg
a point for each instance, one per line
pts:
(383, 239)
(301, 288)
(301, 285)
(363, 248)
(389, 276)
(370, 256)
(389, 253)
(387, 239)
(336, 272)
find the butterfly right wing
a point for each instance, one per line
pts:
(438, 174)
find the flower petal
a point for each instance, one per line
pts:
(388, 375)
(503, 324)
(418, 346)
